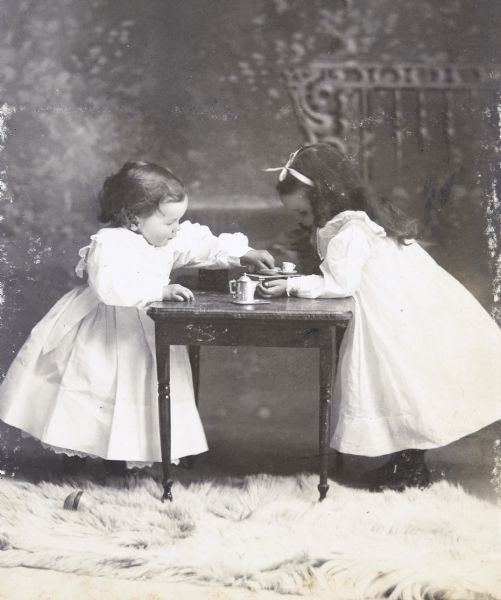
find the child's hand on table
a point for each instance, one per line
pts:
(177, 293)
(261, 259)
(273, 288)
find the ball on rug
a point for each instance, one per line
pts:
(72, 501)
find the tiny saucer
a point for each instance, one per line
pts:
(256, 277)
(268, 271)
(255, 301)
(288, 272)
(277, 275)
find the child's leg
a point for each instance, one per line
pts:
(404, 469)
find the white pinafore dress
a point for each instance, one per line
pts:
(420, 363)
(85, 380)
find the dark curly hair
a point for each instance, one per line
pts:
(339, 187)
(136, 191)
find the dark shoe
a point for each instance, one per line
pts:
(115, 467)
(187, 462)
(405, 469)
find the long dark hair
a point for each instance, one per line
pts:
(339, 187)
(136, 190)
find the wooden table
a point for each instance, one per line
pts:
(214, 320)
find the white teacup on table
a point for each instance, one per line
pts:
(288, 267)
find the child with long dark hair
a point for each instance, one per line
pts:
(419, 364)
(85, 382)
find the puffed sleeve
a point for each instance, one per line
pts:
(117, 275)
(341, 269)
(196, 246)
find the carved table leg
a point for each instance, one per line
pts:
(327, 354)
(163, 374)
(194, 354)
(339, 461)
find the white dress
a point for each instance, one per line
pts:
(85, 380)
(420, 363)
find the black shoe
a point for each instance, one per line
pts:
(115, 467)
(404, 470)
(187, 462)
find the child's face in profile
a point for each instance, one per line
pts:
(163, 224)
(298, 203)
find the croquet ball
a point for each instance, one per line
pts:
(74, 501)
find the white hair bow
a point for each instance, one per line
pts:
(288, 169)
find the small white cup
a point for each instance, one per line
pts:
(288, 267)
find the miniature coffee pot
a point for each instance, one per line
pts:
(243, 288)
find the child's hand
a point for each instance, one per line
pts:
(261, 259)
(273, 288)
(177, 293)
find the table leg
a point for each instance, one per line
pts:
(327, 355)
(339, 460)
(163, 375)
(194, 354)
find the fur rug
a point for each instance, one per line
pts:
(262, 533)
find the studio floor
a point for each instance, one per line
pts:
(27, 584)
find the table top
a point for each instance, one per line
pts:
(219, 305)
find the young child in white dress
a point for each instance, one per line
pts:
(85, 380)
(420, 363)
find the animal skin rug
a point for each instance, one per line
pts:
(262, 533)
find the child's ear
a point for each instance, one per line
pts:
(133, 221)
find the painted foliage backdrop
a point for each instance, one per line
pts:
(195, 85)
